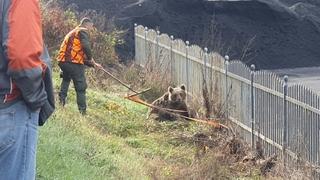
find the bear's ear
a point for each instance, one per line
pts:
(170, 89)
(166, 97)
(183, 87)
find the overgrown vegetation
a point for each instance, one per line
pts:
(115, 141)
(58, 21)
(148, 77)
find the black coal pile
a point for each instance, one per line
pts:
(269, 33)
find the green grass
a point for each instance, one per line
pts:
(114, 141)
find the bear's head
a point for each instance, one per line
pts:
(177, 94)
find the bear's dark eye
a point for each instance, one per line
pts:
(173, 97)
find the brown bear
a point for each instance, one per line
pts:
(174, 99)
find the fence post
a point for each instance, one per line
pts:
(157, 48)
(146, 45)
(135, 42)
(253, 68)
(285, 120)
(204, 82)
(205, 62)
(172, 61)
(227, 93)
(211, 61)
(318, 152)
(187, 64)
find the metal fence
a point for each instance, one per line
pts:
(259, 103)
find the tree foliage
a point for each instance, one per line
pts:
(58, 21)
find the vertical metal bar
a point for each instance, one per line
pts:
(256, 113)
(316, 131)
(286, 110)
(301, 131)
(136, 43)
(318, 139)
(187, 64)
(311, 125)
(285, 118)
(157, 49)
(146, 44)
(291, 124)
(205, 63)
(264, 112)
(212, 84)
(318, 157)
(272, 112)
(297, 130)
(252, 67)
(303, 125)
(227, 93)
(172, 60)
(204, 76)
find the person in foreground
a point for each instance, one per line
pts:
(26, 94)
(74, 54)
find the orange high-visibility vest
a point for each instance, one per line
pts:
(71, 48)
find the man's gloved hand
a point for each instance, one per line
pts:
(89, 63)
(97, 65)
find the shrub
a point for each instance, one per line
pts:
(58, 21)
(148, 77)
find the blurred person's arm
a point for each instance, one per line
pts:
(23, 45)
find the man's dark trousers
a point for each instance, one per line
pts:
(76, 73)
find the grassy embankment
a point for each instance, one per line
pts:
(115, 141)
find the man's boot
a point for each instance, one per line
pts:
(83, 112)
(62, 102)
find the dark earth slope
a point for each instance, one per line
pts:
(269, 33)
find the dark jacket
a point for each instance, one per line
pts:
(85, 42)
(86, 46)
(23, 74)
